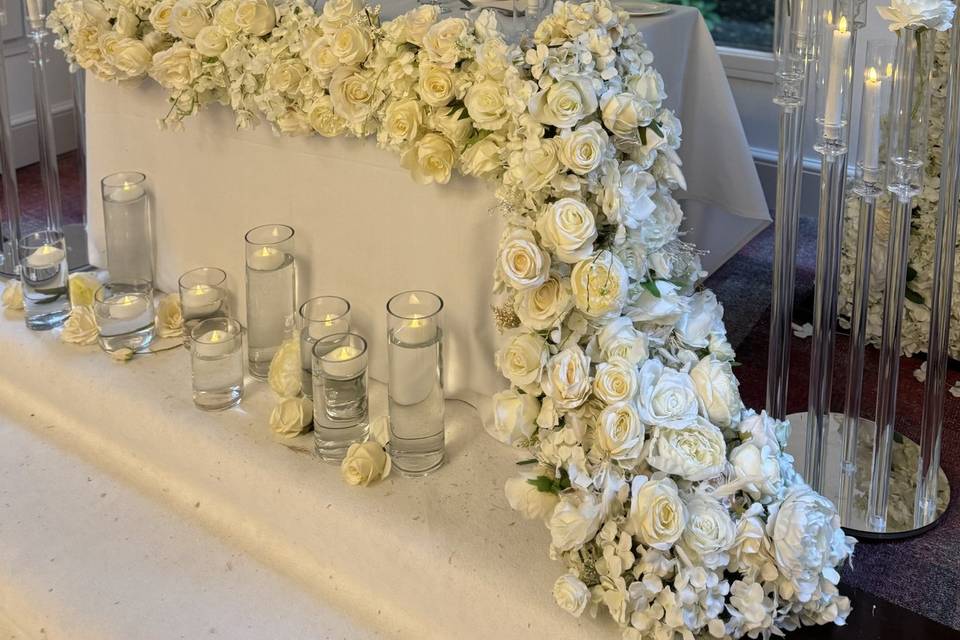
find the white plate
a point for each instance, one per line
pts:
(645, 8)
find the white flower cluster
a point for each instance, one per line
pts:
(673, 507)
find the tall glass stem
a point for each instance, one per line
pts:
(931, 429)
(49, 174)
(79, 119)
(10, 227)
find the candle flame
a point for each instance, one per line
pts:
(215, 336)
(842, 25)
(889, 69)
(829, 17)
(328, 319)
(872, 75)
(127, 300)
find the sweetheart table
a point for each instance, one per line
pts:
(365, 230)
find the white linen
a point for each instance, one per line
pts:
(365, 230)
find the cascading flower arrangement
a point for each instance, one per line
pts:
(672, 506)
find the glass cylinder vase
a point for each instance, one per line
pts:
(216, 358)
(128, 226)
(340, 408)
(415, 354)
(271, 293)
(125, 315)
(320, 317)
(203, 295)
(45, 279)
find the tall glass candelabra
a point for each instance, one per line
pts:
(271, 293)
(795, 39)
(10, 216)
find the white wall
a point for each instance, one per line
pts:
(20, 85)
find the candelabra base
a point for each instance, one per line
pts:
(901, 521)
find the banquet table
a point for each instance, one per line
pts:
(365, 230)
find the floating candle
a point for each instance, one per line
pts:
(45, 257)
(200, 300)
(126, 193)
(343, 362)
(214, 343)
(266, 259)
(127, 307)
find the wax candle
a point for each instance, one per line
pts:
(214, 343)
(266, 259)
(45, 257)
(327, 326)
(870, 138)
(343, 362)
(200, 299)
(128, 307)
(416, 331)
(836, 73)
(127, 193)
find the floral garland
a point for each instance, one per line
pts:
(672, 506)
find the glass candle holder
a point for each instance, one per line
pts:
(125, 314)
(271, 293)
(319, 317)
(44, 275)
(216, 358)
(203, 295)
(340, 414)
(415, 354)
(128, 225)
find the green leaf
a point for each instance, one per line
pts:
(526, 462)
(544, 484)
(911, 274)
(651, 286)
(655, 127)
(643, 136)
(914, 297)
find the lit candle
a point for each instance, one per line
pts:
(836, 73)
(200, 299)
(329, 325)
(45, 257)
(416, 331)
(871, 120)
(127, 193)
(128, 307)
(214, 343)
(343, 362)
(266, 259)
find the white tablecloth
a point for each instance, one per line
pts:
(365, 230)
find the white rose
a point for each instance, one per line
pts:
(710, 532)
(648, 86)
(435, 85)
(620, 339)
(567, 228)
(169, 317)
(668, 398)
(161, 14)
(486, 102)
(615, 380)
(695, 452)
(321, 59)
(664, 308)
(807, 540)
(567, 378)
(934, 14)
(667, 169)
(565, 103)
(211, 41)
(657, 514)
(177, 67)
(452, 123)
(534, 168)
(717, 389)
(80, 327)
(291, 416)
(583, 149)
(661, 227)
(225, 16)
(442, 42)
(571, 595)
(575, 521)
(351, 45)
(522, 263)
(703, 315)
(761, 430)
(256, 17)
(131, 58)
(524, 497)
(483, 157)
(546, 305)
(620, 432)
(323, 119)
(339, 12)
(12, 297)
(285, 376)
(418, 21)
(402, 120)
(365, 463)
(126, 23)
(188, 18)
(600, 285)
(624, 113)
(354, 95)
(284, 76)
(759, 468)
(522, 359)
(155, 41)
(514, 416)
(430, 159)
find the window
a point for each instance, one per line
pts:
(744, 24)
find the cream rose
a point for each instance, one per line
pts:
(620, 432)
(524, 497)
(284, 76)
(717, 390)
(565, 103)
(583, 149)
(648, 86)
(126, 23)
(575, 521)
(354, 95)
(285, 376)
(522, 359)
(615, 380)
(657, 514)
(291, 416)
(535, 167)
(187, 18)
(624, 113)
(12, 297)
(339, 12)
(763, 431)
(566, 379)
(351, 45)
(435, 85)
(80, 327)
(443, 42)
(486, 102)
(225, 16)
(514, 416)
(323, 119)
(571, 595)
(169, 317)
(695, 452)
(321, 59)
(545, 306)
(417, 22)
(522, 263)
(256, 17)
(431, 159)
(710, 532)
(211, 41)
(364, 464)
(177, 67)
(759, 468)
(568, 229)
(402, 120)
(452, 123)
(620, 339)
(483, 157)
(82, 288)
(933, 14)
(600, 285)
(160, 15)
(668, 398)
